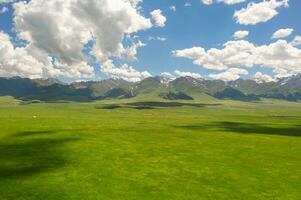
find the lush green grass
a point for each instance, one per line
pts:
(80, 151)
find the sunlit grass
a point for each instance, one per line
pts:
(80, 151)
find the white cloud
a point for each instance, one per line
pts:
(259, 12)
(263, 78)
(193, 53)
(282, 73)
(231, 74)
(279, 54)
(281, 33)
(18, 61)
(296, 41)
(187, 74)
(158, 18)
(240, 34)
(124, 72)
(104, 21)
(131, 52)
(178, 73)
(173, 8)
(230, 2)
(167, 75)
(234, 54)
(56, 32)
(241, 53)
(207, 2)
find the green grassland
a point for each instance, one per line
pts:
(141, 149)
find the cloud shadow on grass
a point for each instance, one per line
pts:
(246, 128)
(29, 153)
(33, 133)
(148, 105)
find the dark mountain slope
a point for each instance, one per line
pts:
(234, 94)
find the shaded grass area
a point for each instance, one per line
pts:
(31, 152)
(247, 128)
(196, 150)
(154, 105)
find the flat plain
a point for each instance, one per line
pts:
(134, 149)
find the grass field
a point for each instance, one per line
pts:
(150, 150)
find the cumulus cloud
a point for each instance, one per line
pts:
(18, 61)
(296, 41)
(192, 53)
(259, 12)
(207, 2)
(131, 52)
(167, 75)
(230, 2)
(56, 32)
(178, 73)
(263, 78)
(282, 73)
(187, 74)
(279, 54)
(281, 33)
(79, 22)
(240, 34)
(231, 74)
(124, 72)
(241, 53)
(234, 54)
(158, 18)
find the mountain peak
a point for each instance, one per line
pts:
(48, 82)
(49, 89)
(187, 79)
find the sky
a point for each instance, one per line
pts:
(134, 39)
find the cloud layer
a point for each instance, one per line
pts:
(241, 53)
(69, 38)
(57, 32)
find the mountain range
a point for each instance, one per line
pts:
(182, 88)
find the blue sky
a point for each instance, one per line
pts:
(198, 25)
(209, 27)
